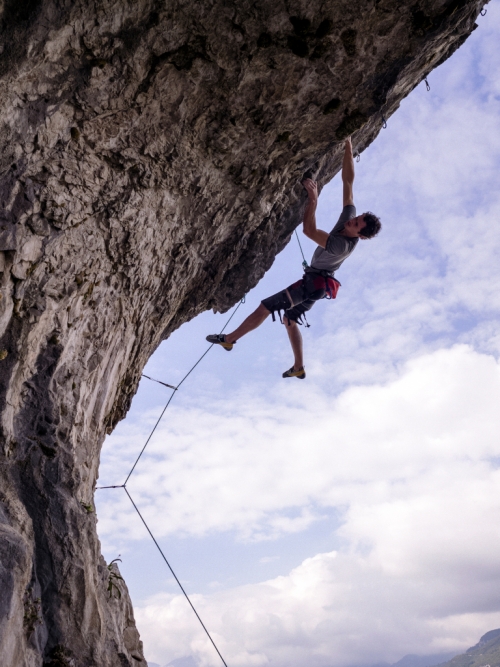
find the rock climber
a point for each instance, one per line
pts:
(318, 281)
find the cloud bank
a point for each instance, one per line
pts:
(411, 465)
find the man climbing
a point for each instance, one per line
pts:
(318, 281)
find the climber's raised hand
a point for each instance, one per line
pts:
(348, 173)
(312, 189)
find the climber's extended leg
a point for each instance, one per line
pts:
(253, 321)
(294, 301)
(276, 303)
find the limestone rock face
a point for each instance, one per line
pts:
(151, 154)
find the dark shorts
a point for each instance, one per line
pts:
(304, 293)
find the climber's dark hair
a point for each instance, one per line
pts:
(372, 225)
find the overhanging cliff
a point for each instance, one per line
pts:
(150, 166)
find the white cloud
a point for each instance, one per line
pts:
(334, 609)
(247, 466)
(413, 465)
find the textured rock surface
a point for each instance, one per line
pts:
(150, 162)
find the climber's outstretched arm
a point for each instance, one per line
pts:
(317, 235)
(348, 173)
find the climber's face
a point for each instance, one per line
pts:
(354, 227)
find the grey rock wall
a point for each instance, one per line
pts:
(151, 155)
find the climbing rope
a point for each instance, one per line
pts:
(124, 485)
(175, 577)
(304, 263)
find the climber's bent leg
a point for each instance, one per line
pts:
(295, 338)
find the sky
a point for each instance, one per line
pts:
(351, 518)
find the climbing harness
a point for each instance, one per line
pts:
(124, 485)
(323, 280)
(331, 285)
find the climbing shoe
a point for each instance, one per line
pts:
(220, 339)
(301, 374)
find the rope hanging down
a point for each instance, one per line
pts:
(175, 577)
(124, 485)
